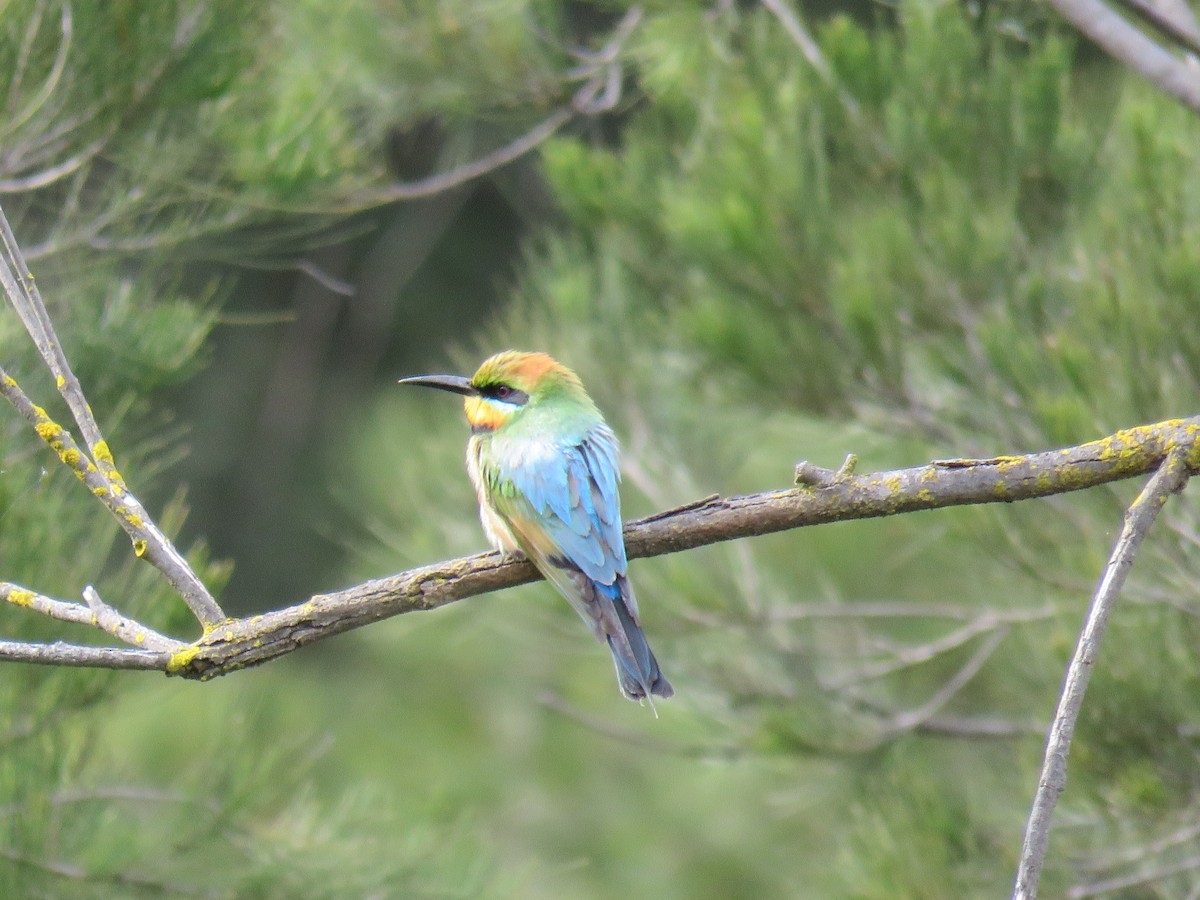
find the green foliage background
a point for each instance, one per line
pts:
(999, 253)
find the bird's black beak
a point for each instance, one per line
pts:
(456, 384)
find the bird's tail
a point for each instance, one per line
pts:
(637, 669)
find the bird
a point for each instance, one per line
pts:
(545, 467)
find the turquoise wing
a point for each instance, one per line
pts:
(564, 507)
(561, 504)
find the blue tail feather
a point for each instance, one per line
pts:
(637, 671)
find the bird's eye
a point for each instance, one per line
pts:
(503, 391)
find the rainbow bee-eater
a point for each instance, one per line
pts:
(545, 469)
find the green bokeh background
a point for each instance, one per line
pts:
(998, 253)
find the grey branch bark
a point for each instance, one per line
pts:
(96, 467)
(823, 496)
(79, 656)
(1170, 478)
(1125, 42)
(1174, 18)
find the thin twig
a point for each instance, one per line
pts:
(599, 93)
(50, 85)
(97, 613)
(1150, 876)
(80, 656)
(149, 542)
(51, 174)
(874, 609)
(78, 873)
(1170, 478)
(812, 53)
(1126, 855)
(910, 719)
(26, 299)
(635, 738)
(905, 657)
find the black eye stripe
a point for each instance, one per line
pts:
(504, 393)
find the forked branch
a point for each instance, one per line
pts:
(1169, 479)
(823, 496)
(94, 466)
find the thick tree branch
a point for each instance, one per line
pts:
(839, 497)
(1170, 478)
(1174, 18)
(824, 496)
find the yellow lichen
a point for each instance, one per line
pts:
(82, 472)
(139, 548)
(140, 637)
(61, 382)
(134, 520)
(9, 381)
(101, 452)
(181, 659)
(100, 491)
(19, 597)
(220, 631)
(48, 430)
(70, 456)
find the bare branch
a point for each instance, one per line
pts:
(51, 174)
(1174, 18)
(1150, 876)
(96, 613)
(99, 471)
(1170, 478)
(26, 299)
(1126, 43)
(910, 719)
(812, 53)
(243, 642)
(109, 488)
(599, 93)
(79, 656)
(907, 656)
(237, 643)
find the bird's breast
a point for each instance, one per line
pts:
(498, 533)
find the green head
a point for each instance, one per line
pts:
(508, 384)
